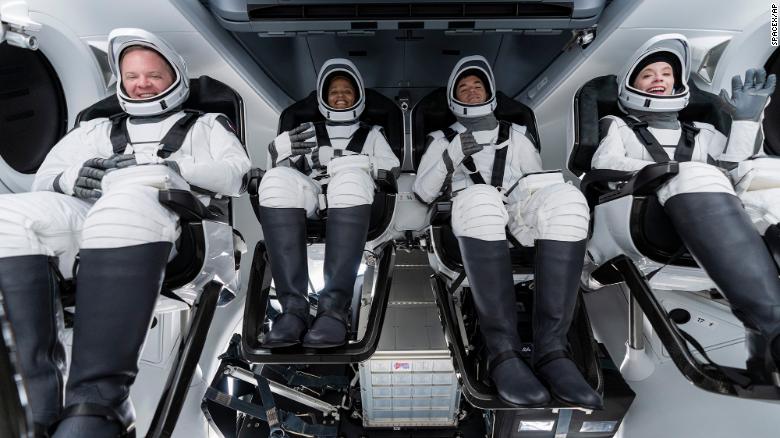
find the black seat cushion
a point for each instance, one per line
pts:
(432, 114)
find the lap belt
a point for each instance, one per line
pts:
(278, 420)
(171, 142)
(683, 151)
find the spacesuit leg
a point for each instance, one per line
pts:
(350, 194)
(35, 230)
(127, 240)
(737, 260)
(556, 218)
(286, 198)
(763, 207)
(478, 221)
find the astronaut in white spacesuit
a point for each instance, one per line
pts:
(345, 155)
(96, 194)
(720, 226)
(476, 162)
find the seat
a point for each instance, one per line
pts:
(632, 238)
(450, 284)
(379, 110)
(204, 273)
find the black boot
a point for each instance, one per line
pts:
(345, 239)
(31, 295)
(721, 237)
(489, 271)
(557, 277)
(116, 291)
(284, 230)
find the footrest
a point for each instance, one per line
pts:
(257, 304)
(707, 376)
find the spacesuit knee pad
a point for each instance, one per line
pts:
(40, 223)
(282, 187)
(127, 216)
(350, 188)
(478, 212)
(695, 177)
(562, 214)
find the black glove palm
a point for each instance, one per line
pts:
(88, 183)
(748, 100)
(469, 144)
(298, 137)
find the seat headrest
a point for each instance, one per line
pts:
(598, 98)
(432, 114)
(379, 110)
(206, 94)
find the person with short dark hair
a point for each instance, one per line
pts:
(491, 171)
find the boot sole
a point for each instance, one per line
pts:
(319, 346)
(280, 344)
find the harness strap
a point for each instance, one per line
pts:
(499, 159)
(175, 137)
(171, 142)
(359, 139)
(683, 151)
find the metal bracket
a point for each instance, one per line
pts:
(15, 23)
(279, 389)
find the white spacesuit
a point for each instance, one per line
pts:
(345, 155)
(539, 209)
(94, 195)
(701, 200)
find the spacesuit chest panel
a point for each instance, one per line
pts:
(151, 135)
(682, 151)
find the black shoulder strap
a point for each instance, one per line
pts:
(503, 131)
(358, 139)
(684, 150)
(449, 133)
(119, 137)
(499, 160)
(499, 164)
(655, 149)
(321, 131)
(173, 140)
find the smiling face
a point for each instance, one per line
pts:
(656, 78)
(471, 90)
(341, 93)
(145, 73)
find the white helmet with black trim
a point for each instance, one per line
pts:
(672, 48)
(170, 98)
(340, 67)
(478, 66)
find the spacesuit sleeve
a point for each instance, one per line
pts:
(223, 170)
(612, 153)
(433, 170)
(741, 143)
(382, 156)
(527, 158)
(66, 158)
